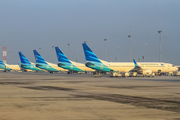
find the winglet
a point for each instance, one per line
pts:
(89, 55)
(38, 57)
(135, 63)
(61, 57)
(23, 58)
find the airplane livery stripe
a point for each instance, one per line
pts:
(61, 56)
(90, 56)
(23, 59)
(38, 57)
(1, 62)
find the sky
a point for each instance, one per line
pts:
(26, 25)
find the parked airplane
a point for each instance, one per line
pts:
(123, 67)
(41, 63)
(7, 67)
(25, 64)
(73, 67)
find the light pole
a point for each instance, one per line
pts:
(105, 49)
(77, 55)
(146, 52)
(159, 31)
(52, 53)
(68, 51)
(9, 57)
(118, 52)
(129, 36)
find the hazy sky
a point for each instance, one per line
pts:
(29, 24)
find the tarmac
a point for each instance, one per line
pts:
(44, 96)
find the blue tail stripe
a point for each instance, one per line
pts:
(38, 57)
(90, 56)
(1, 62)
(23, 58)
(61, 57)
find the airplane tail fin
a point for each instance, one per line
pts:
(89, 55)
(61, 57)
(1, 62)
(38, 57)
(23, 58)
(135, 63)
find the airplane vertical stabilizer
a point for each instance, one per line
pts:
(38, 57)
(1, 62)
(61, 56)
(89, 55)
(23, 58)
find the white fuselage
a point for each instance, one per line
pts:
(13, 67)
(55, 66)
(127, 66)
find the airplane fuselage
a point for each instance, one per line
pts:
(4, 67)
(30, 67)
(127, 66)
(49, 67)
(10, 67)
(74, 66)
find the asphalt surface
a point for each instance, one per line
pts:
(82, 96)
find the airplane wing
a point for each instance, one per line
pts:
(136, 68)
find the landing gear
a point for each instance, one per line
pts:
(97, 74)
(70, 72)
(23, 69)
(159, 72)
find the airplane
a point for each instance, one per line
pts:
(26, 65)
(7, 67)
(116, 68)
(50, 67)
(73, 67)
